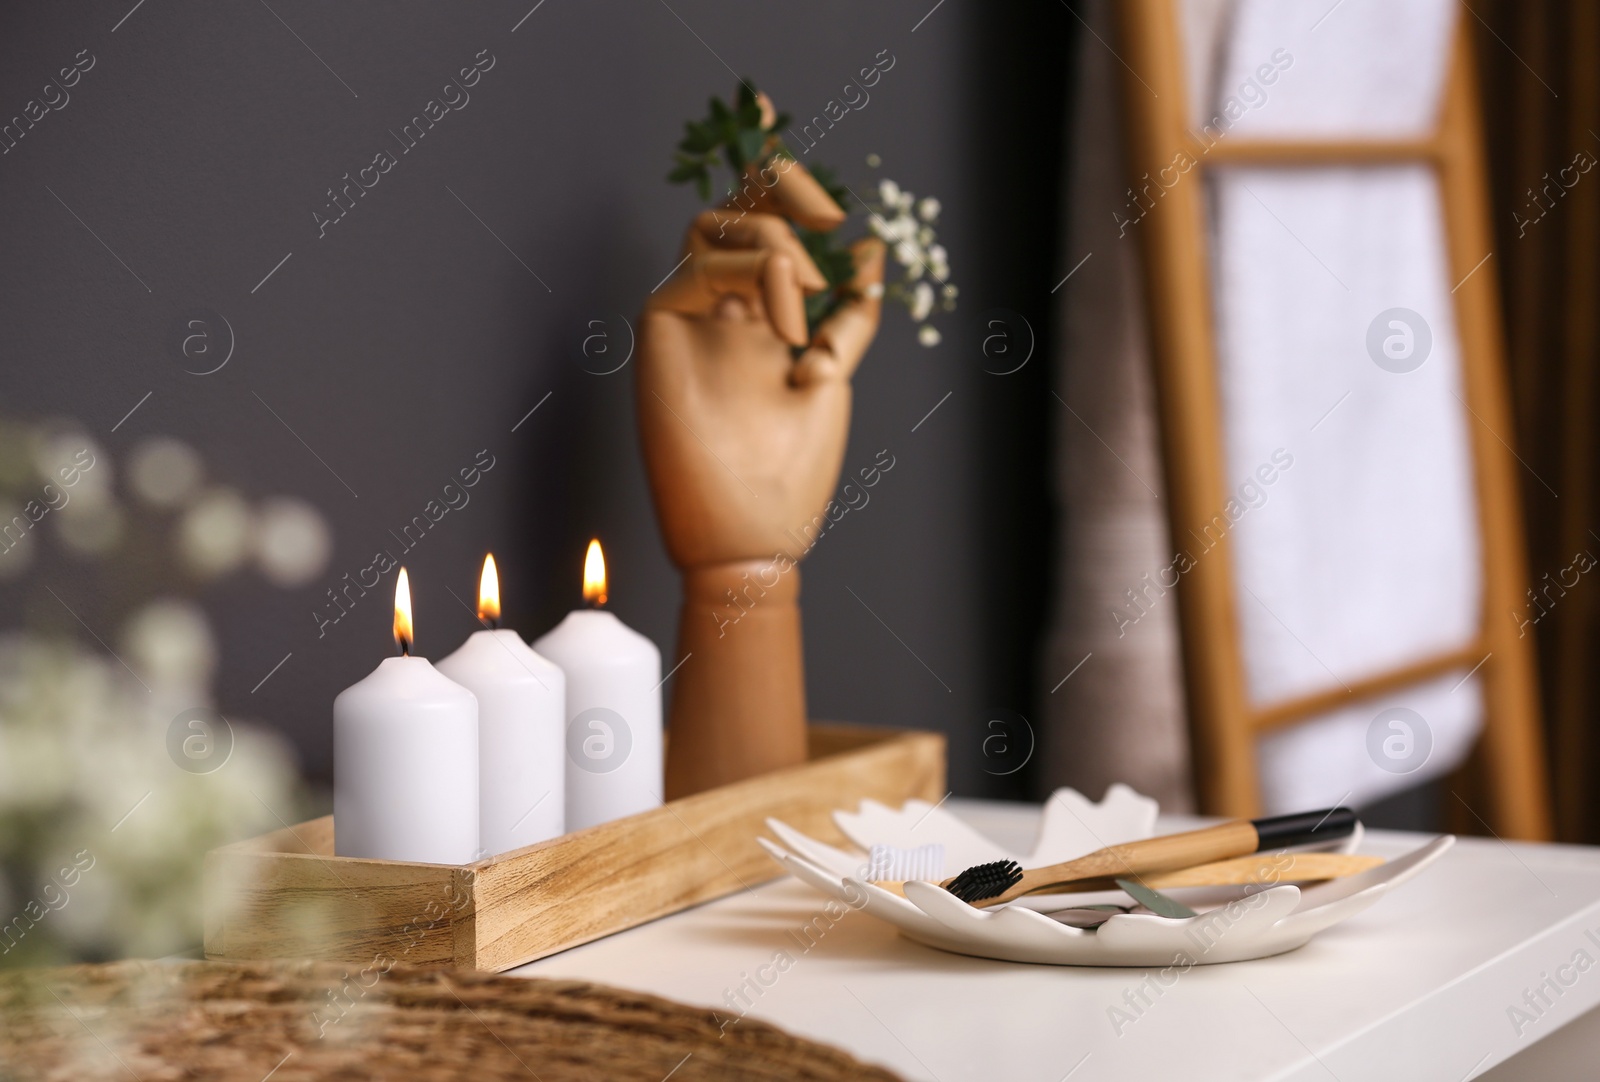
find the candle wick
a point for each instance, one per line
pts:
(491, 623)
(405, 647)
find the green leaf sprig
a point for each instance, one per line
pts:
(733, 134)
(735, 130)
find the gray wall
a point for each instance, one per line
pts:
(408, 337)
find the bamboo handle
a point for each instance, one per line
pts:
(1265, 869)
(1260, 869)
(1166, 853)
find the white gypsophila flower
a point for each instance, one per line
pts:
(90, 523)
(88, 918)
(170, 642)
(16, 540)
(889, 229)
(36, 774)
(164, 472)
(906, 225)
(214, 534)
(62, 445)
(874, 160)
(187, 815)
(86, 779)
(292, 542)
(16, 459)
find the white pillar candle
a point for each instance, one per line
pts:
(613, 729)
(521, 728)
(405, 759)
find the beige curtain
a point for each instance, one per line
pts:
(1119, 715)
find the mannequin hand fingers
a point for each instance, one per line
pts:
(842, 339)
(723, 228)
(764, 279)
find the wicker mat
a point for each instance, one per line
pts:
(310, 1020)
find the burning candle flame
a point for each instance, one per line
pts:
(594, 575)
(403, 635)
(489, 593)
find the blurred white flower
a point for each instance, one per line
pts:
(892, 230)
(169, 642)
(16, 541)
(292, 542)
(84, 745)
(16, 465)
(83, 753)
(214, 534)
(89, 523)
(58, 444)
(906, 225)
(36, 774)
(164, 472)
(92, 912)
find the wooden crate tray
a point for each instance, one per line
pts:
(285, 895)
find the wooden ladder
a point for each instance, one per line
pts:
(1224, 724)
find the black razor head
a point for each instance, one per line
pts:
(985, 880)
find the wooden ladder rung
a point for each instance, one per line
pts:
(1352, 152)
(1320, 702)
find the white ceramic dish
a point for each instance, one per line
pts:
(1234, 924)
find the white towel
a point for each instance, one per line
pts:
(1369, 69)
(1362, 555)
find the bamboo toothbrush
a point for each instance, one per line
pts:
(1255, 870)
(1005, 880)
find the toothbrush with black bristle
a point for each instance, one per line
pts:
(1002, 881)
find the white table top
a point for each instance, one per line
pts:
(1423, 985)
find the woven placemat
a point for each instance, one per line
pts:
(312, 1020)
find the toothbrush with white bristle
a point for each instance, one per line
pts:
(894, 863)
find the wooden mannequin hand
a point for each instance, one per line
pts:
(743, 442)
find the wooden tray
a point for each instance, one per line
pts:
(285, 895)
